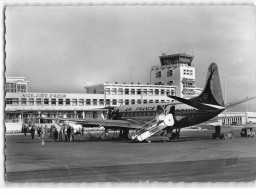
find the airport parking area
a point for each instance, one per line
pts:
(195, 157)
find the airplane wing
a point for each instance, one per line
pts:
(116, 124)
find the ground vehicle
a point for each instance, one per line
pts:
(247, 132)
(223, 132)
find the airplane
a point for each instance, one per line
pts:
(154, 118)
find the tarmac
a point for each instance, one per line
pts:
(195, 157)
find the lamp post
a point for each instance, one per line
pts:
(152, 68)
(225, 94)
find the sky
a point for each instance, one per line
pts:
(64, 48)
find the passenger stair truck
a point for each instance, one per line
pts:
(153, 127)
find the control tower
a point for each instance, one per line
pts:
(176, 70)
(176, 59)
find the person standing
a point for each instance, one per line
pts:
(25, 129)
(39, 132)
(44, 132)
(69, 132)
(55, 134)
(60, 134)
(32, 131)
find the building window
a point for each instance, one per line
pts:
(114, 102)
(150, 101)
(114, 91)
(145, 101)
(107, 102)
(138, 101)
(156, 101)
(46, 101)
(67, 102)
(162, 101)
(170, 73)
(126, 102)
(167, 92)
(94, 91)
(138, 91)
(31, 101)
(144, 92)
(60, 102)
(120, 91)
(132, 91)
(156, 91)
(23, 101)
(107, 91)
(94, 102)
(170, 82)
(38, 101)
(172, 92)
(150, 92)
(88, 102)
(21, 88)
(101, 102)
(120, 101)
(126, 91)
(158, 74)
(53, 102)
(81, 102)
(74, 102)
(162, 91)
(10, 87)
(8, 101)
(132, 101)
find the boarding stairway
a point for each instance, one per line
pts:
(153, 127)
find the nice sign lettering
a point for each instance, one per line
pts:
(43, 95)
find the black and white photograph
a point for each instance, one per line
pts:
(129, 94)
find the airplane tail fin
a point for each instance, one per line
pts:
(212, 93)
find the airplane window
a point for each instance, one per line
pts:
(142, 114)
(133, 113)
(146, 113)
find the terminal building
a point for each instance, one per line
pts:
(175, 76)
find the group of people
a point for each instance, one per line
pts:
(66, 132)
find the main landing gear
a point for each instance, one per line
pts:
(176, 134)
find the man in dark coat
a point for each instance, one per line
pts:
(32, 131)
(69, 132)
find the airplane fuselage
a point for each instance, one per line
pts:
(184, 115)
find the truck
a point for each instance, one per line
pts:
(247, 132)
(223, 132)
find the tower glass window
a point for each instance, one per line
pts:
(170, 73)
(158, 74)
(10, 87)
(22, 88)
